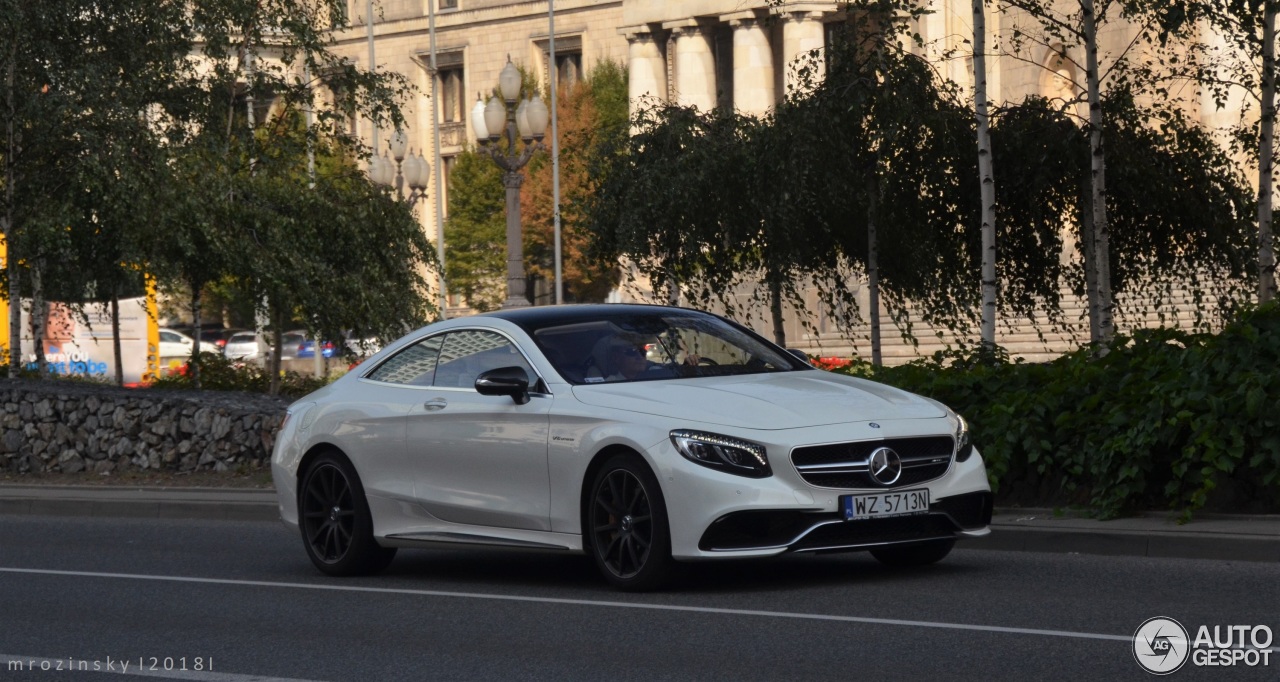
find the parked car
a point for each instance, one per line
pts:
(548, 428)
(219, 336)
(360, 347)
(247, 346)
(290, 342)
(307, 349)
(175, 344)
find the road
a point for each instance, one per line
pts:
(243, 596)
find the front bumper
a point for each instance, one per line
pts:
(714, 515)
(800, 531)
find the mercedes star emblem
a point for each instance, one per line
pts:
(885, 466)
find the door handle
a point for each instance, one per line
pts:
(435, 404)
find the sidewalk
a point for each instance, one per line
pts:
(1208, 536)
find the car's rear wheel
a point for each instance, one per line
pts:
(337, 528)
(627, 525)
(916, 554)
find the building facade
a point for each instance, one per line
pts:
(704, 53)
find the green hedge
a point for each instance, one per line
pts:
(1165, 419)
(219, 374)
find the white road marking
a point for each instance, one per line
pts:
(15, 663)
(582, 602)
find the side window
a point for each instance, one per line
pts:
(168, 337)
(468, 353)
(413, 366)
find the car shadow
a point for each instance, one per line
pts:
(485, 569)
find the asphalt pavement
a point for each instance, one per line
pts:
(240, 600)
(1153, 534)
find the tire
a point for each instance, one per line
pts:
(334, 517)
(917, 554)
(627, 532)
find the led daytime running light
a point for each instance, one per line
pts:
(731, 455)
(964, 442)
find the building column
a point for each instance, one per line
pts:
(753, 85)
(646, 66)
(695, 66)
(802, 33)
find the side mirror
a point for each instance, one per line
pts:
(801, 355)
(512, 381)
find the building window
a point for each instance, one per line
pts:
(834, 33)
(447, 4)
(338, 17)
(452, 86)
(451, 99)
(568, 61)
(568, 70)
(446, 171)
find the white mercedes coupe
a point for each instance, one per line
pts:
(640, 435)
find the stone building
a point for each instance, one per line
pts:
(704, 53)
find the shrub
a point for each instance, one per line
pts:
(1165, 418)
(220, 374)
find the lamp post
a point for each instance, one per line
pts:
(398, 168)
(528, 119)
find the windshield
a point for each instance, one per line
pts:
(649, 346)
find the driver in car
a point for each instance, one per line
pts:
(626, 360)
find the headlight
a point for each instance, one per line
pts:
(729, 455)
(964, 446)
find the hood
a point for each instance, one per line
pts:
(785, 400)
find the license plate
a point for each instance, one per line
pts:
(880, 505)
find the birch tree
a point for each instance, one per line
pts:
(1249, 66)
(986, 179)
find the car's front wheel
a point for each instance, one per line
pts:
(337, 527)
(627, 525)
(916, 554)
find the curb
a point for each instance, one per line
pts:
(220, 504)
(1129, 543)
(1218, 537)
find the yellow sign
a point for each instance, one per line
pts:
(153, 333)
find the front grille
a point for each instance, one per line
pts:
(845, 465)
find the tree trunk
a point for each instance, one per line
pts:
(985, 175)
(38, 317)
(115, 337)
(1266, 158)
(775, 307)
(194, 365)
(1098, 166)
(1086, 247)
(873, 274)
(277, 343)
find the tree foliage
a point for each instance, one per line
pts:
(475, 232)
(719, 203)
(77, 77)
(187, 159)
(590, 113)
(724, 206)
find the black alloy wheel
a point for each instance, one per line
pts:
(628, 530)
(337, 528)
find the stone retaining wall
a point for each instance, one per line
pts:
(48, 426)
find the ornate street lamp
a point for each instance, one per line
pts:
(528, 119)
(398, 168)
